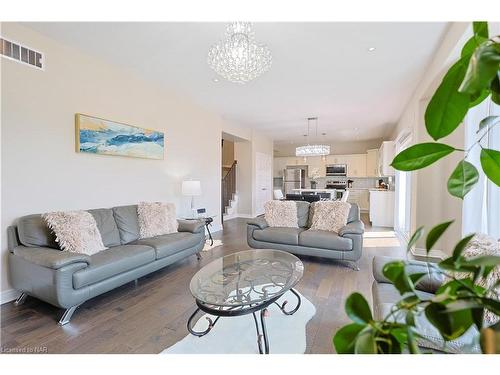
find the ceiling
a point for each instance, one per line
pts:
(319, 69)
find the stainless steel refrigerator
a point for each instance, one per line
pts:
(294, 178)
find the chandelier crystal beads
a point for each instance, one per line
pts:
(238, 58)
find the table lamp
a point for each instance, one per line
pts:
(191, 188)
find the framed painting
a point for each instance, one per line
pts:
(99, 136)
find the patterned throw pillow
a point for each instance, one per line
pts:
(281, 214)
(329, 215)
(76, 231)
(156, 218)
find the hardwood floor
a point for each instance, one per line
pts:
(151, 316)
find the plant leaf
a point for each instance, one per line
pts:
(448, 106)
(365, 342)
(358, 309)
(451, 324)
(460, 246)
(487, 121)
(476, 99)
(486, 260)
(490, 161)
(420, 155)
(345, 338)
(471, 45)
(462, 179)
(435, 233)
(414, 238)
(395, 272)
(492, 305)
(480, 28)
(495, 89)
(483, 67)
(412, 343)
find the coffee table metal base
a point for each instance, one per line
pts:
(260, 324)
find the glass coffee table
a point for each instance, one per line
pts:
(244, 283)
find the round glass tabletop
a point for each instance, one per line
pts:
(246, 278)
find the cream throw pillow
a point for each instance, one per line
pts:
(156, 218)
(329, 215)
(481, 245)
(76, 231)
(281, 214)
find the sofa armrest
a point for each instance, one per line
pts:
(259, 222)
(354, 227)
(428, 283)
(50, 258)
(193, 226)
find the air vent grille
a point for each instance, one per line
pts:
(25, 55)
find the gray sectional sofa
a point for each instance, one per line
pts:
(346, 245)
(385, 296)
(40, 269)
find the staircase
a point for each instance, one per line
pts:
(229, 199)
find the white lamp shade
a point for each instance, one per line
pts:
(191, 188)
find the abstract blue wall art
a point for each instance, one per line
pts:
(98, 136)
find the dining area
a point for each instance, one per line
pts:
(313, 195)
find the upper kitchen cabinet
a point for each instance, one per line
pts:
(356, 165)
(385, 156)
(372, 163)
(316, 163)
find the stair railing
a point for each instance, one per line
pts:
(228, 187)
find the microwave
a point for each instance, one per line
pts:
(336, 170)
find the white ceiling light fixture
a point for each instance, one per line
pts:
(371, 49)
(238, 58)
(315, 149)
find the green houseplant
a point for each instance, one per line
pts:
(460, 302)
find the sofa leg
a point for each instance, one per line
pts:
(136, 283)
(20, 300)
(198, 256)
(68, 313)
(353, 265)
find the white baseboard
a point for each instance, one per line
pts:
(236, 216)
(8, 296)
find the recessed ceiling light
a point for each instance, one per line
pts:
(215, 79)
(371, 49)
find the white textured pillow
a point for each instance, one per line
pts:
(76, 231)
(329, 215)
(281, 214)
(481, 245)
(156, 218)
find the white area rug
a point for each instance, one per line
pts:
(207, 246)
(237, 335)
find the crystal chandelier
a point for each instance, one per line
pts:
(312, 150)
(238, 58)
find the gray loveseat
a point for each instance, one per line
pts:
(346, 245)
(385, 296)
(40, 269)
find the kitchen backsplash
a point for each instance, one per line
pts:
(358, 182)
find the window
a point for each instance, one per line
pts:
(403, 191)
(481, 208)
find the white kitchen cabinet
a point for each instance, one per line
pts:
(382, 208)
(385, 156)
(372, 163)
(356, 165)
(360, 197)
(316, 162)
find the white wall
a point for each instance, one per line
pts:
(41, 170)
(431, 203)
(245, 154)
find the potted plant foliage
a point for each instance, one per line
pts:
(461, 301)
